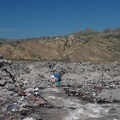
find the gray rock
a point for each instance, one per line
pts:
(12, 107)
(2, 91)
(29, 118)
(36, 116)
(10, 86)
(1, 56)
(9, 93)
(3, 83)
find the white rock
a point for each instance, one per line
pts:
(31, 118)
(36, 89)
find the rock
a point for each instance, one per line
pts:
(40, 102)
(24, 112)
(9, 93)
(12, 107)
(36, 116)
(31, 97)
(3, 83)
(36, 89)
(22, 93)
(2, 91)
(2, 117)
(29, 118)
(1, 56)
(11, 86)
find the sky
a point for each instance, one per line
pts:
(20, 19)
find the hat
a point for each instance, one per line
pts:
(52, 76)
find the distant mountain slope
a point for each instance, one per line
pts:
(87, 45)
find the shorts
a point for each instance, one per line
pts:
(57, 83)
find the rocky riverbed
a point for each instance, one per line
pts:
(26, 91)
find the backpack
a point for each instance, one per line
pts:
(58, 77)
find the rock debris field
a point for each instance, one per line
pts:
(21, 84)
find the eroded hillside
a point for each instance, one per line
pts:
(87, 45)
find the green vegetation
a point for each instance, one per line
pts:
(1, 43)
(22, 49)
(117, 29)
(112, 36)
(86, 33)
(114, 48)
(34, 57)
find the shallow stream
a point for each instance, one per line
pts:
(73, 108)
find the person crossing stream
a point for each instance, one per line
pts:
(87, 91)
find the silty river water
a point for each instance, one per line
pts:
(73, 108)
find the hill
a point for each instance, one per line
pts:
(86, 45)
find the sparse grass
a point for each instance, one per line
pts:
(34, 57)
(86, 45)
(112, 36)
(86, 41)
(86, 33)
(1, 43)
(22, 49)
(114, 48)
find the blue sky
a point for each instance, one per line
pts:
(36, 18)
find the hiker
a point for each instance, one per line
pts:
(56, 79)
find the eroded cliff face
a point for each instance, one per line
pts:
(85, 46)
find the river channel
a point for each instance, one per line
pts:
(73, 108)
